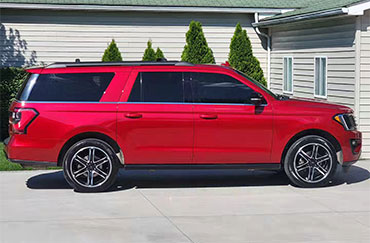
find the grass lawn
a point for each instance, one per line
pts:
(6, 165)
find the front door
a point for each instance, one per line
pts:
(228, 128)
(155, 124)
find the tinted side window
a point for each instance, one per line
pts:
(67, 87)
(158, 87)
(220, 88)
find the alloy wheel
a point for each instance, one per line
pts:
(90, 166)
(312, 163)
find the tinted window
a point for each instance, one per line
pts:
(220, 88)
(66, 87)
(158, 87)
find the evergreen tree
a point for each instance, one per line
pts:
(196, 49)
(149, 54)
(241, 56)
(112, 53)
(159, 54)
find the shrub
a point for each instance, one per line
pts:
(241, 56)
(149, 54)
(11, 80)
(159, 54)
(112, 53)
(196, 49)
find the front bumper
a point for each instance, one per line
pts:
(351, 151)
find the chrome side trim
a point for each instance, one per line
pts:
(139, 103)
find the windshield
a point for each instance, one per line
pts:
(258, 84)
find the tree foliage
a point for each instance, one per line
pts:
(241, 56)
(159, 54)
(196, 49)
(149, 54)
(112, 53)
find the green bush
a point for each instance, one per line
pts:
(159, 54)
(11, 80)
(112, 53)
(241, 56)
(196, 49)
(149, 54)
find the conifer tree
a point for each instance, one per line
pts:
(159, 54)
(196, 49)
(149, 54)
(112, 53)
(241, 56)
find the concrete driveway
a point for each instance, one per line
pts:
(191, 206)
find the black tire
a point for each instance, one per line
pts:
(310, 169)
(90, 165)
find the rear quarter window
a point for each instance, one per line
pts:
(66, 87)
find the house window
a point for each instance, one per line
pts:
(320, 76)
(288, 75)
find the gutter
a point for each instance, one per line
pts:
(141, 8)
(308, 16)
(268, 48)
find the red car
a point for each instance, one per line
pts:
(94, 118)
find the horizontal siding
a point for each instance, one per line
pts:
(64, 36)
(365, 84)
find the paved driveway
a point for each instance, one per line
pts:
(191, 206)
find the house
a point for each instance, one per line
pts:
(323, 51)
(307, 48)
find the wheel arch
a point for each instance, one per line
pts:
(304, 133)
(86, 135)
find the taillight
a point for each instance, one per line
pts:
(21, 118)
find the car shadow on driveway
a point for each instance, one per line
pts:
(128, 179)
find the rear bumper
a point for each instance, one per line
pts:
(24, 152)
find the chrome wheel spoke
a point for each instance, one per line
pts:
(323, 159)
(100, 173)
(304, 155)
(315, 151)
(81, 173)
(321, 170)
(83, 169)
(90, 178)
(101, 161)
(311, 173)
(81, 161)
(302, 167)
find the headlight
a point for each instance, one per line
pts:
(346, 120)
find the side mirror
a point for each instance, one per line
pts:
(256, 99)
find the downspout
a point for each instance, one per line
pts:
(268, 49)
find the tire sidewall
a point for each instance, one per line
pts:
(289, 160)
(86, 143)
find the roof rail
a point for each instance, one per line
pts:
(78, 63)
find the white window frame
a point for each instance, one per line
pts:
(284, 90)
(325, 80)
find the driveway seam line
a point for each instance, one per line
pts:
(169, 220)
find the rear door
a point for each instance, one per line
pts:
(229, 129)
(155, 120)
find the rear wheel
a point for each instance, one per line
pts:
(90, 165)
(310, 162)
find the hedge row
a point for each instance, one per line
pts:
(11, 80)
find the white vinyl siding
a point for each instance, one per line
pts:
(53, 36)
(332, 38)
(364, 99)
(288, 75)
(320, 77)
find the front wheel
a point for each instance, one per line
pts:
(90, 165)
(310, 162)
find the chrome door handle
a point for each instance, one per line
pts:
(134, 115)
(208, 116)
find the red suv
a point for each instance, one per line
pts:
(93, 118)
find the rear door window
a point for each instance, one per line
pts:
(88, 87)
(158, 87)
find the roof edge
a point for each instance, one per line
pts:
(141, 8)
(300, 17)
